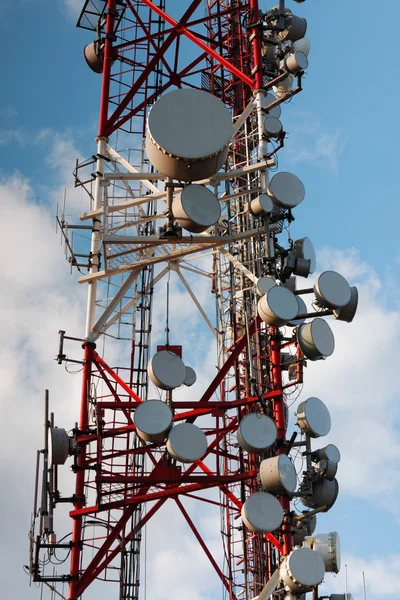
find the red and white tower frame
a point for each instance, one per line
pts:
(144, 50)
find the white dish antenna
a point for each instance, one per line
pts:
(284, 86)
(278, 475)
(153, 420)
(264, 284)
(328, 547)
(286, 190)
(186, 443)
(304, 248)
(316, 339)
(196, 208)
(188, 134)
(295, 29)
(58, 441)
(262, 513)
(313, 417)
(295, 62)
(330, 452)
(301, 311)
(325, 493)
(261, 205)
(190, 377)
(347, 312)
(272, 127)
(302, 570)
(256, 433)
(166, 370)
(278, 306)
(332, 290)
(303, 45)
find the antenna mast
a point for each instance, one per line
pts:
(197, 196)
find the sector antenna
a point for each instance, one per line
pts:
(184, 188)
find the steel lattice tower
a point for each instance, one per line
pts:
(223, 47)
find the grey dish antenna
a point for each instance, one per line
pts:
(188, 133)
(286, 190)
(316, 339)
(332, 290)
(313, 417)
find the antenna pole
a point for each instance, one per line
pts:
(364, 588)
(345, 581)
(44, 504)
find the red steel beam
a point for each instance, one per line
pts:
(182, 29)
(202, 543)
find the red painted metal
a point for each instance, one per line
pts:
(280, 420)
(230, 57)
(80, 477)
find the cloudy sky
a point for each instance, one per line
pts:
(343, 137)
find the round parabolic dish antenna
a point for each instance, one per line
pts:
(296, 62)
(190, 377)
(262, 513)
(302, 311)
(328, 547)
(261, 205)
(188, 133)
(153, 420)
(347, 313)
(268, 99)
(196, 208)
(296, 28)
(166, 370)
(278, 475)
(278, 306)
(330, 452)
(304, 249)
(286, 190)
(256, 433)
(264, 284)
(324, 493)
(58, 441)
(186, 442)
(313, 417)
(316, 339)
(332, 290)
(303, 45)
(302, 570)
(272, 127)
(284, 86)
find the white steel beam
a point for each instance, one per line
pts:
(193, 297)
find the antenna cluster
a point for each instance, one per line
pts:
(202, 184)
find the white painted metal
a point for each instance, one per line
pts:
(302, 311)
(278, 475)
(347, 313)
(188, 134)
(329, 452)
(58, 443)
(302, 570)
(264, 284)
(190, 377)
(272, 127)
(196, 208)
(278, 306)
(166, 370)
(271, 586)
(262, 513)
(313, 417)
(256, 433)
(302, 45)
(332, 290)
(266, 100)
(295, 62)
(328, 547)
(153, 420)
(304, 248)
(261, 205)
(286, 190)
(324, 493)
(186, 442)
(316, 339)
(284, 86)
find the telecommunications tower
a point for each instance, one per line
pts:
(184, 187)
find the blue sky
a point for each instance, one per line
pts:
(342, 142)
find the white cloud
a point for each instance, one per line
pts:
(311, 141)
